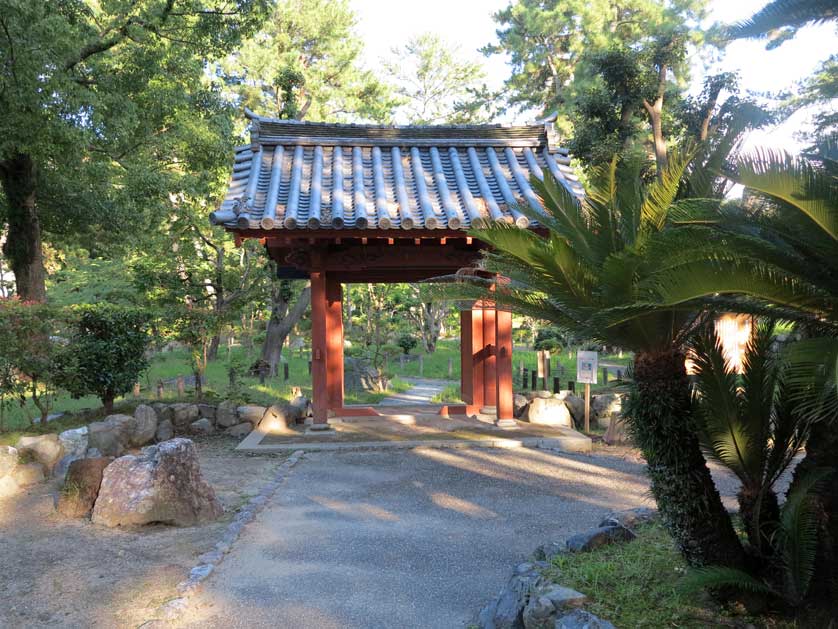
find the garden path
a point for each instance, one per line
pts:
(420, 392)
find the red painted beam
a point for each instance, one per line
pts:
(334, 342)
(319, 377)
(503, 366)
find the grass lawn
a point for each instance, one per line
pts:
(635, 585)
(436, 365)
(167, 366)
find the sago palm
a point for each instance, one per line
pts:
(586, 270)
(747, 423)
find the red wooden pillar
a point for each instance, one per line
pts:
(471, 356)
(503, 367)
(489, 351)
(319, 373)
(334, 344)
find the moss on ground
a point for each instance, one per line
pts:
(636, 585)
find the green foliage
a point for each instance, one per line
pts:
(27, 352)
(407, 342)
(305, 63)
(550, 338)
(434, 82)
(779, 20)
(105, 354)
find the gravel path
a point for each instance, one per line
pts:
(420, 392)
(417, 538)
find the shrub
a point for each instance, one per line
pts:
(105, 353)
(407, 342)
(27, 355)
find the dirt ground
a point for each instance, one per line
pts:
(56, 572)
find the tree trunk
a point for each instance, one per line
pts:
(760, 525)
(822, 455)
(107, 403)
(212, 352)
(658, 414)
(23, 241)
(280, 325)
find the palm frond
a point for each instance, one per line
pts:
(780, 14)
(716, 577)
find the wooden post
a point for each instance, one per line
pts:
(334, 343)
(159, 389)
(450, 367)
(317, 364)
(525, 378)
(181, 386)
(136, 389)
(556, 385)
(503, 367)
(285, 371)
(605, 375)
(471, 356)
(421, 365)
(547, 373)
(522, 374)
(534, 380)
(587, 407)
(571, 385)
(490, 374)
(401, 362)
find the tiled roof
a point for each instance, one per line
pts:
(300, 175)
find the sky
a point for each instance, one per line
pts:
(385, 24)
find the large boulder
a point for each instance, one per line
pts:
(74, 441)
(202, 426)
(595, 538)
(163, 484)
(252, 413)
(604, 406)
(45, 449)
(207, 411)
(226, 414)
(26, 474)
(580, 619)
(165, 430)
(146, 425)
(280, 417)
(239, 430)
(574, 403)
(519, 404)
(82, 487)
(112, 435)
(360, 375)
(304, 405)
(8, 460)
(549, 412)
(183, 414)
(8, 464)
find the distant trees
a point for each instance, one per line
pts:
(99, 102)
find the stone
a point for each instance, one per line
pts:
(74, 441)
(539, 613)
(92, 453)
(562, 597)
(616, 433)
(163, 484)
(202, 427)
(580, 619)
(45, 449)
(165, 430)
(26, 474)
(360, 375)
(112, 435)
(8, 486)
(604, 406)
(239, 430)
(574, 403)
(146, 425)
(602, 536)
(81, 488)
(547, 551)
(280, 418)
(251, 413)
(183, 414)
(513, 598)
(519, 404)
(543, 394)
(548, 412)
(226, 415)
(207, 411)
(8, 460)
(630, 518)
(304, 405)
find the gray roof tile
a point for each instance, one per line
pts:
(298, 175)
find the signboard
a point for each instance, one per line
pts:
(586, 367)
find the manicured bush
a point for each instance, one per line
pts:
(407, 342)
(105, 354)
